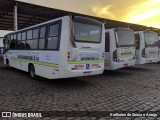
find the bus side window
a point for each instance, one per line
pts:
(19, 37)
(24, 36)
(35, 37)
(31, 44)
(137, 41)
(29, 34)
(107, 42)
(21, 44)
(11, 37)
(13, 45)
(42, 38)
(52, 42)
(15, 37)
(14, 42)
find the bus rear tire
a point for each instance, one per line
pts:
(32, 72)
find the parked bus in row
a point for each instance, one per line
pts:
(119, 48)
(159, 48)
(146, 47)
(60, 48)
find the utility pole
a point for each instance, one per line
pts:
(15, 17)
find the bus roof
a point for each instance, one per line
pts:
(146, 31)
(50, 21)
(38, 25)
(119, 28)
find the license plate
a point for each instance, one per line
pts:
(125, 65)
(86, 73)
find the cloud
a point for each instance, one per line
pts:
(142, 11)
(103, 12)
(144, 15)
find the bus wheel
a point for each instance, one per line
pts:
(32, 72)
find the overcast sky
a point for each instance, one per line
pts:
(144, 12)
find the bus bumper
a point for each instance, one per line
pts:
(152, 60)
(67, 72)
(120, 65)
(141, 61)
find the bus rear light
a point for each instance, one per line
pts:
(79, 66)
(103, 55)
(143, 53)
(69, 56)
(95, 66)
(115, 56)
(125, 65)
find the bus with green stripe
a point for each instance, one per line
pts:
(146, 47)
(120, 48)
(69, 46)
(158, 48)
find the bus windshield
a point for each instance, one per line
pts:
(87, 30)
(151, 39)
(125, 37)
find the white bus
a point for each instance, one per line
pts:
(159, 49)
(60, 48)
(120, 48)
(146, 47)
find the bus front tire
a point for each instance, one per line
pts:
(32, 72)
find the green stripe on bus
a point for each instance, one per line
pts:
(38, 62)
(85, 62)
(152, 55)
(9, 53)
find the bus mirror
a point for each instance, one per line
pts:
(4, 41)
